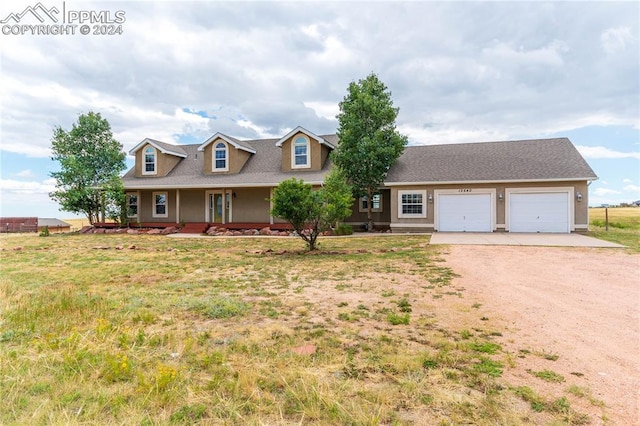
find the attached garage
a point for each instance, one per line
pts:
(466, 212)
(539, 212)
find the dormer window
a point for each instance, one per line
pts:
(220, 157)
(300, 154)
(150, 161)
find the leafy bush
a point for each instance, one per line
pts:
(343, 229)
(45, 231)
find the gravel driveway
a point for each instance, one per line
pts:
(581, 304)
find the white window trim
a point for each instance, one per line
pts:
(137, 194)
(226, 158)
(374, 210)
(155, 161)
(293, 153)
(166, 205)
(422, 192)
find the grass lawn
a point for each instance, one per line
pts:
(119, 329)
(624, 226)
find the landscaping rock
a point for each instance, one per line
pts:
(99, 231)
(169, 230)
(154, 232)
(86, 229)
(265, 231)
(133, 231)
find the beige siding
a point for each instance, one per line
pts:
(237, 158)
(146, 206)
(165, 162)
(580, 209)
(251, 205)
(318, 153)
(192, 205)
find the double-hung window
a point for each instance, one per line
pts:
(376, 203)
(132, 204)
(412, 203)
(160, 204)
(300, 152)
(220, 157)
(150, 161)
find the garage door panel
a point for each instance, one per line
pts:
(464, 213)
(539, 212)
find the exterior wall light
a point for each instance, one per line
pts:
(500, 197)
(579, 196)
(430, 198)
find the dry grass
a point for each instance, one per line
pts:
(178, 331)
(624, 225)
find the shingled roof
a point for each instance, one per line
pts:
(525, 160)
(261, 169)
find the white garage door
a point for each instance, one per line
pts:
(464, 213)
(539, 212)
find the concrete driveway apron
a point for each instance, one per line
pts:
(516, 239)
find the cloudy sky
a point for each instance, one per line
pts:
(458, 71)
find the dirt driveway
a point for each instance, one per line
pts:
(580, 304)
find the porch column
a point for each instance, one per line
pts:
(270, 206)
(177, 206)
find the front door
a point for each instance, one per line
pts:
(219, 206)
(216, 208)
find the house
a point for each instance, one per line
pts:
(516, 186)
(53, 225)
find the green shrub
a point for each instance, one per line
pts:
(45, 231)
(397, 319)
(343, 229)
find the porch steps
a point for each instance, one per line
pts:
(194, 228)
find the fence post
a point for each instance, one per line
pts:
(606, 218)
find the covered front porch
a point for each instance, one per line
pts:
(233, 208)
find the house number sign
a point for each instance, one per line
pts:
(464, 190)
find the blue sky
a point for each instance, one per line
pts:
(458, 71)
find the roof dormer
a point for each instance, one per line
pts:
(223, 154)
(155, 158)
(303, 150)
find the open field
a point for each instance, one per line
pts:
(154, 330)
(624, 225)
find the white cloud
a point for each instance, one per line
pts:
(604, 182)
(10, 186)
(327, 110)
(549, 55)
(632, 188)
(604, 192)
(597, 152)
(30, 198)
(616, 39)
(625, 180)
(27, 173)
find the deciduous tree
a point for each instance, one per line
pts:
(369, 141)
(313, 211)
(90, 163)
